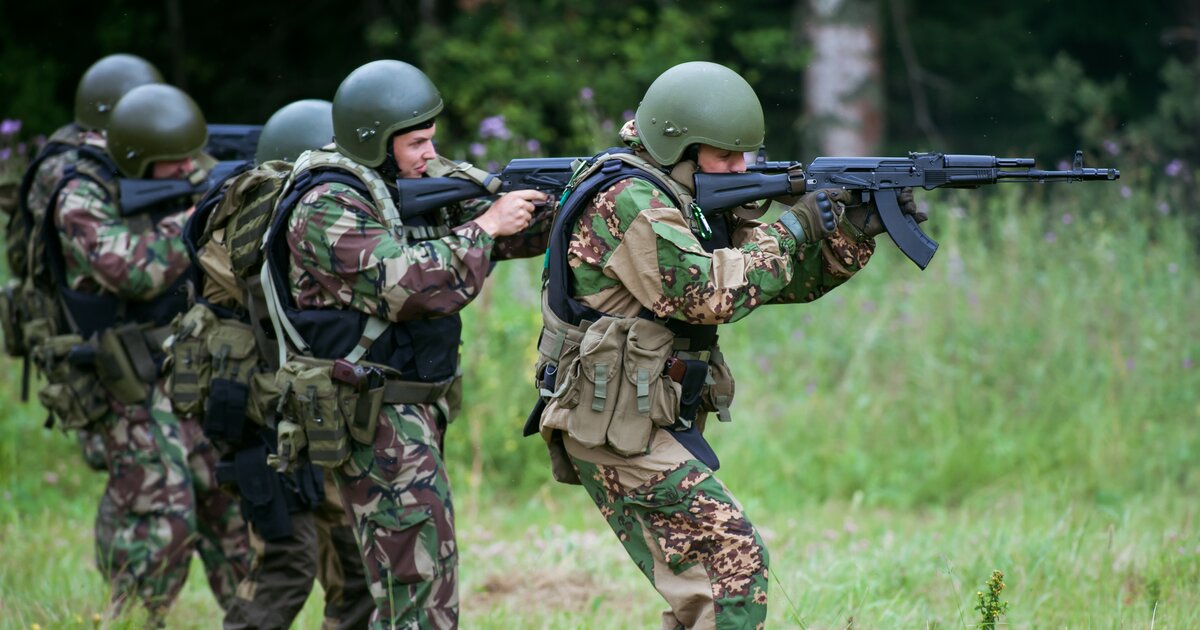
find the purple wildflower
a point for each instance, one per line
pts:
(533, 146)
(868, 306)
(1187, 363)
(5, 153)
(10, 127)
(493, 166)
(586, 94)
(1164, 207)
(1112, 147)
(1126, 192)
(1130, 364)
(1173, 268)
(1064, 165)
(494, 127)
(1174, 167)
(477, 149)
(627, 114)
(1068, 218)
(1051, 237)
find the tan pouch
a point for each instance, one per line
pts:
(718, 392)
(597, 382)
(72, 392)
(646, 397)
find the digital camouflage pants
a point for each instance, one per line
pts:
(398, 495)
(683, 529)
(321, 547)
(160, 506)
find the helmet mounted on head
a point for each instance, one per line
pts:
(154, 123)
(376, 101)
(105, 82)
(698, 103)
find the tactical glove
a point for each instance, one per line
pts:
(862, 220)
(816, 215)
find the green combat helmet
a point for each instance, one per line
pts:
(154, 123)
(698, 103)
(294, 129)
(105, 82)
(374, 102)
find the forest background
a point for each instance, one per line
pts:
(1028, 404)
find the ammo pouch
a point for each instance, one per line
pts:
(326, 403)
(215, 371)
(73, 392)
(327, 410)
(611, 388)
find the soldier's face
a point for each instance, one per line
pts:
(413, 150)
(172, 169)
(710, 159)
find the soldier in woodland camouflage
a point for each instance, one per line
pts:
(118, 270)
(98, 90)
(348, 255)
(637, 280)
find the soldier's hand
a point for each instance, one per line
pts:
(817, 214)
(511, 213)
(864, 217)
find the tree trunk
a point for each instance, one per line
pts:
(843, 85)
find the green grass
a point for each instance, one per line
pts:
(1029, 404)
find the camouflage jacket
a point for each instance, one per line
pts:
(343, 256)
(131, 257)
(633, 248)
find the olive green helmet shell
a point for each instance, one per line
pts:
(699, 102)
(154, 123)
(375, 101)
(105, 82)
(294, 129)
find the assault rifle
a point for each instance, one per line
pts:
(548, 175)
(233, 142)
(883, 177)
(138, 194)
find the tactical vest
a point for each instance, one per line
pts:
(592, 363)
(91, 313)
(422, 350)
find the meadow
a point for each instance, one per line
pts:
(1028, 404)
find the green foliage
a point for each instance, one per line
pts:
(988, 605)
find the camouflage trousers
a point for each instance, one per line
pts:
(322, 546)
(162, 504)
(398, 496)
(683, 529)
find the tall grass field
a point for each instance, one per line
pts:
(1029, 404)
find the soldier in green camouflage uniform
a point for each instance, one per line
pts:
(345, 257)
(162, 502)
(102, 84)
(312, 539)
(634, 256)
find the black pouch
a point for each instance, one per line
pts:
(694, 376)
(225, 411)
(263, 500)
(310, 487)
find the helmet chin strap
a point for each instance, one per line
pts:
(388, 169)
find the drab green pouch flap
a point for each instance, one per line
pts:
(118, 369)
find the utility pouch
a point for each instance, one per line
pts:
(593, 381)
(188, 364)
(231, 346)
(72, 393)
(324, 408)
(368, 382)
(263, 500)
(10, 319)
(718, 394)
(125, 364)
(691, 385)
(647, 397)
